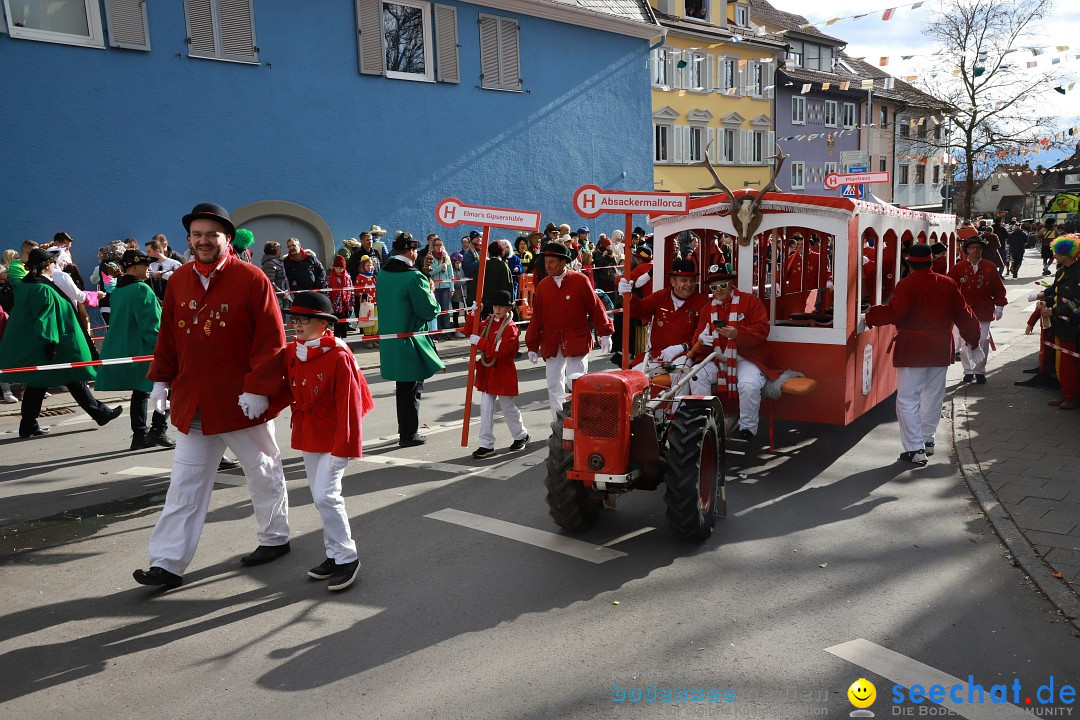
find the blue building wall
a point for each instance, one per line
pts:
(113, 143)
(814, 153)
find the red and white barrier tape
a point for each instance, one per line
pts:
(353, 288)
(1073, 353)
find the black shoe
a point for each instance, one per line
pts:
(1046, 272)
(928, 448)
(228, 463)
(915, 457)
(140, 441)
(158, 437)
(33, 432)
(344, 575)
(1030, 371)
(324, 571)
(980, 379)
(412, 441)
(483, 452)
(158, 576)
(265, 554)
(109, 415)
(519, 444)
(745, 434)
(968, 377)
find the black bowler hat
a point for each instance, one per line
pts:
(938, 248)
(720, 272)
(131, 258)
(683, 268)
(502, 297)
(210, 211)
(556, 250)
(643, 252)
(38, 258)
(975, 240)
(312, 304)
(920, 253)
(404, 241)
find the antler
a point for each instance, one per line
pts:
(779, 157)
(718, 183)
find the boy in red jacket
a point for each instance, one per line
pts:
(329, 400)
(496, 375)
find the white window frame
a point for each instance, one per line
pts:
(429, 46)
(849, 115)
(742, 15)
(830, 167)
(513, 84)
(830, 113)
(708, 12)
(757, 78)
(701, 132)
(757, 148)
(660, 62)
(94, 37)
(219, 45)
(936, 174)
(798, 175)
(920, 174)
(883, 163)
(797, 101)
(728, 81)
(903, 174)
(668, 130)
(728, 140)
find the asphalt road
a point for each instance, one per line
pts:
(464, 610)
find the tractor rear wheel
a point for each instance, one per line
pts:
(570, 504)
(695, 459)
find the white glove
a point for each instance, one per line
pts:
(253, 405)
(474, 339)
(671, 352)
(338, 463)
(707, 338)
(605, 344)
(471, 308)
(159, 397)
(533, 357)
(625, 286)
(828, 285)
(998, 312)
(643, 280)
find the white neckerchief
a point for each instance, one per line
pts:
(676, 300)
(559, 278)
(405, 260)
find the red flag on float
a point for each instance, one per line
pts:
(887, 15)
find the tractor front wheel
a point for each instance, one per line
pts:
(695, 458)
(570, 504)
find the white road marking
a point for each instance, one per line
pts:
(138, 470)
(528, 535)
(446, 426)
(907, 672)
(501, 471)
(73, 421)
(627, 536)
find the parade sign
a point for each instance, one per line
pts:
(451, 212)
(835, 180)
(590, 201)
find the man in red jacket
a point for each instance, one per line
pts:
(738, 324)
(982, 288)
(564, 305)
(220, 351)
(924, 308)
(673, 313)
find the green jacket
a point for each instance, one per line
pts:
(133, 330)
(405, 305)
(16, 272)
(43, 329)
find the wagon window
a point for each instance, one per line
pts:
(868, 277)
(798, 270)
(888, 270)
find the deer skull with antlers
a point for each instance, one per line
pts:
(745, 210)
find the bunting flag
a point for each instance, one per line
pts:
(834, 20)
(884, 61)
(867, 84)
(806, 88)
(826, 86)
(887, 15)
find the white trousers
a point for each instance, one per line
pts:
(971, 367)
(557, 369)
(751, 381)
(919, 392)
(487, 419)
(195, 464)
(325, 487)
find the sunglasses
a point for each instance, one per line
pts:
(722, 285)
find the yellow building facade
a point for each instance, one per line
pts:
(712, 91)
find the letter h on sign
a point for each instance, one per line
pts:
(449, 211)
(588, 201)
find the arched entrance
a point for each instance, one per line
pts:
(279, 220)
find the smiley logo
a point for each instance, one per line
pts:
(862, 693)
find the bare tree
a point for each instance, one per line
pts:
(981, 71)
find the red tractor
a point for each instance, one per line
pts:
(614, 436)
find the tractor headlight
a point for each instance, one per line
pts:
(596, 461)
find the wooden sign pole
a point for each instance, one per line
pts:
(475, 330)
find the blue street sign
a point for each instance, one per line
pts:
(861, 192)
(848, 191)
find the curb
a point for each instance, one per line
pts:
(1030, 562)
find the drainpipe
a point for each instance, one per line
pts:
(663, 39)
(900, 107)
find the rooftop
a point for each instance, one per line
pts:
(762, 11)
(638, 10)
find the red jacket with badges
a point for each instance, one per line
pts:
(496, 373)
(329, 399)
(981, 286)
(219, 342)
(561, 317)
(751, 323)
(669, 326)
(924, 307)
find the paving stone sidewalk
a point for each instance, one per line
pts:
(1029, 454)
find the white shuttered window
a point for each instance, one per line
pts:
(446, 44)
(221, 30)
(500, 53)
(127, 24)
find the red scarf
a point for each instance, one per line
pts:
(314, 348)
(206, 269)
(300, 254)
